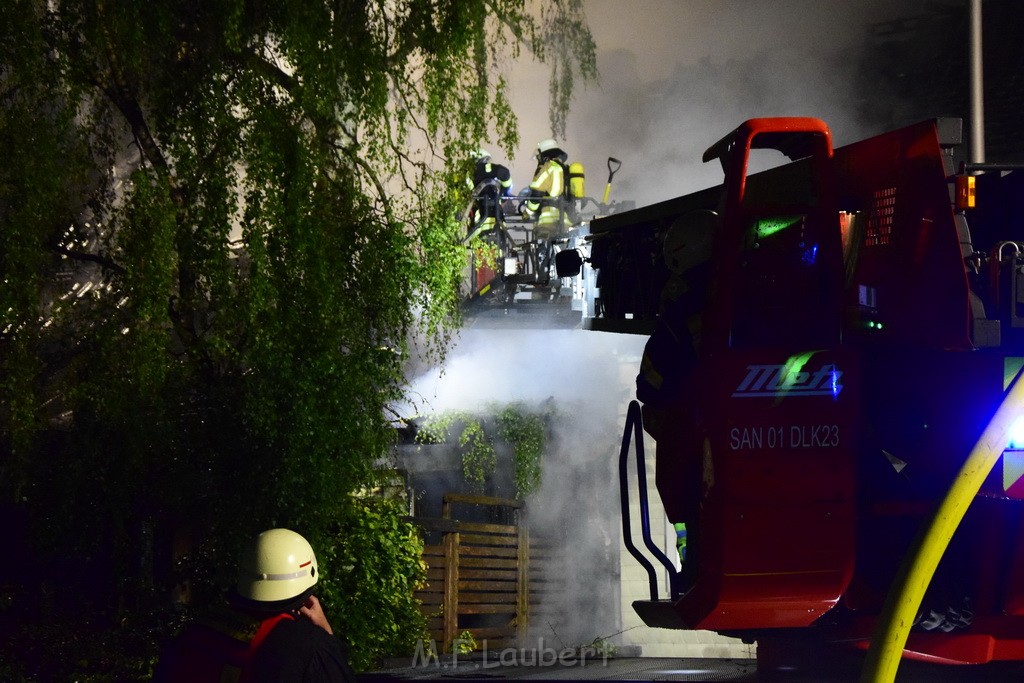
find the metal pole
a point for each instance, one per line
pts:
(977, 89)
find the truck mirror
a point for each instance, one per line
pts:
(568, 263)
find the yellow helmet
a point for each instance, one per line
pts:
(278, 568)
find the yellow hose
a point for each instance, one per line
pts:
(904, 599)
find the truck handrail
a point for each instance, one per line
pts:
(634, 421)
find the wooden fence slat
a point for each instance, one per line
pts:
(483, 527)
(486, 562)
(485, 598)
(477, 551)
(491, 540)
(483, 568)
(451, 593)
(504, 586)
(487, 609)
(489, 574)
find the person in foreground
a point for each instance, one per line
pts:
(273, 627)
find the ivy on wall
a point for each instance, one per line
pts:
(524, 429)
(527, 432)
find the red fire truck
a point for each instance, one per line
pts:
(829, 342)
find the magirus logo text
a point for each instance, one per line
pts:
(789, 380)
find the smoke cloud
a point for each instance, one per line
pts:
(588, 376)
(675, 77)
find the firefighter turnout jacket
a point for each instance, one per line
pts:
(489, 200)
(237, 647)
(491, 182)
(546, 203)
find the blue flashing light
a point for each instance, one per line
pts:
(1016, 434)
(810, 255)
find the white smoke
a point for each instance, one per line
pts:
(588, 377)
(675, 77)
(529, 365)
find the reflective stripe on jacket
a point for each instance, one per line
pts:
(546, 190)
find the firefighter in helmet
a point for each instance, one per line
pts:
(272, 629)
(666, 383)
(545, 203)
(492, 182)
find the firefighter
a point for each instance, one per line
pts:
(492, 182)
(273, 627)
(546, 202)
(669, 417)
(665, 383)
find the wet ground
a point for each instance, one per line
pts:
(551, 667)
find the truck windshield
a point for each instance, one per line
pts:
(784, 292)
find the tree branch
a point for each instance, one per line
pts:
(119, 93)
(381, 191)
(91, 258)
(271, 72)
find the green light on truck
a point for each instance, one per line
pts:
(766, 227)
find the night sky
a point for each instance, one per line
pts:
(677, 75)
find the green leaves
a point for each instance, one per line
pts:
(526, 430)
(478, 457)
(221, 225)
(372, 564)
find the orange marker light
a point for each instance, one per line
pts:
(965, 192)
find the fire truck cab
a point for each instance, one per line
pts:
(829, 338)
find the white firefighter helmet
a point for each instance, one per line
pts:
(482, 154)
(546, 145)
(279, 567)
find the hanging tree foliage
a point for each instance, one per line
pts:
(525, 430)
(221, 222)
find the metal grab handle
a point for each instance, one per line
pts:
(634, 420)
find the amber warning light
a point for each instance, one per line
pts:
(965, 192)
